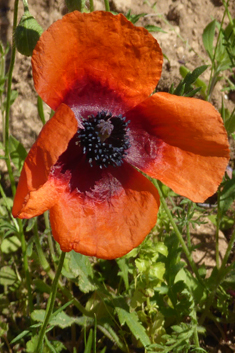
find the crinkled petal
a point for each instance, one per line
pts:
(109, 220)
(98, 56)
(180, 141)
(37, 191)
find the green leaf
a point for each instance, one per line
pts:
(62, 320)
(53, 346)
(17, 152)
(4, 327)
(208, 37)
(31, 346)
(152, 28)
(193, 78)
(132, 321)
(134, 18)
(21, 335)
(29, 250)
(227, 195)
(81, 267)
(41, 286)
(88, 347)
(161, 248)
(157, 270)
(7, 276)
(123, 265)
(38, 315)
(193, 92)
(10, 244)
(30, 225)
(230, 123)
(14, 95)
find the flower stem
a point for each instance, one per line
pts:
(106, 3)
(49, 236)
(8, 103)
(218, 221)
(26, 6)
(177, 233)
(50, 304)
(26, 265)
(40, 110)
(187, 226)
(43, 261)
(91, 5)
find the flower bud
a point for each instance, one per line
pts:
(27, 34)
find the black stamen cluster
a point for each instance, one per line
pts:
(102, 149)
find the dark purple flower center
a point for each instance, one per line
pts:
(104, 139)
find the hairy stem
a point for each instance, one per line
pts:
(106, 3)
(8, 103)
(50, 304)
(91, 5)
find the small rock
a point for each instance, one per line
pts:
(174, 13)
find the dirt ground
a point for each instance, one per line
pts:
(183, 22)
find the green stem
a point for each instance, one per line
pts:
(106, 3)
(226, 4)
(42, 258)
(49, 236)
(26, 6)
(8, 208)
(50, 304)
(8, 103)
(40, 110)
(227, 254)
(217, 231)
(26, 265)
(91, 5)
(195, 331)
(177, 233)
(187, 226)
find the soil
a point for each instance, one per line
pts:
(182, 21)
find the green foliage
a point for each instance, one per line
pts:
(134, 18)
(222, 54)
(185, 87)
(17, 153)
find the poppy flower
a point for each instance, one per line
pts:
(97, 71)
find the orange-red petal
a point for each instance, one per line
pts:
(183, 143)
(107, 227)
(96, 51)
(37, 191)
